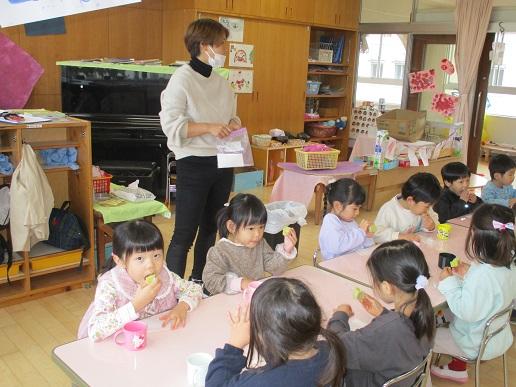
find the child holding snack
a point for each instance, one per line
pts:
(242, 255)
(340, 233)
(476, 292)
(396, 340)
(406, 214)
(500, 190)
(138, 286)
(456, 199)
(282, 326)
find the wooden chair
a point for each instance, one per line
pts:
(503, 317)
(421, 372)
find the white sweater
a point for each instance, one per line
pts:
(189, 96)
(393, 219)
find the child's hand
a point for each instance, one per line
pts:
(145, 294)
(512, 202)
(445, 273)
(472, 198)
(461, 270)
(346, 309)
(233, 125)
(364, 225)
(290, 241)
(428, 222)
(177, 316)
(464, 196)
(410, 237)
(371, 305)
(219, 130)
(245, 283)
(240, 327)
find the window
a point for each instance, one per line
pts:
(501, 96)
(381, 68)
(399, 69)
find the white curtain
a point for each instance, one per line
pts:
(471, 19)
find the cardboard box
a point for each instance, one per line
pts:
(403, 125)
(247, 180)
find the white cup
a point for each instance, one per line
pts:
(197, 368)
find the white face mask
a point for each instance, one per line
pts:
(217, 61)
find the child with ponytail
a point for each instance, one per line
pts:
(282, 326)
(395, 341)
(477, 291)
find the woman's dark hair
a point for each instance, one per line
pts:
(400, 263)
(286, 319)
(243, 210)
(487, 244)
(206, 31)
(135, 236)
(345, 191)
(454, 171)
(422, 187)
(500, 164)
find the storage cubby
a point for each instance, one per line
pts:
(46, 269)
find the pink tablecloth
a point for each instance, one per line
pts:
(298, 185)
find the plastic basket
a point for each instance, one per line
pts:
(317, 160)
(261, 140)
(312, 87)
(101, 184)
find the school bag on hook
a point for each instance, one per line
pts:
(66, 230)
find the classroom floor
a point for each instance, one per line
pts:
(30, 331)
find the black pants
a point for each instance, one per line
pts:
(202, 190)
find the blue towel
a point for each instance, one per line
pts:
(55, 157)
(6, 168)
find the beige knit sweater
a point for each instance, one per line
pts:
(227, 257)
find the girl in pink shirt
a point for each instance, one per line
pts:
(138, 286)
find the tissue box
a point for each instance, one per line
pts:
(403, 125)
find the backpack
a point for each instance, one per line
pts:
(6, 255)
(66, 229)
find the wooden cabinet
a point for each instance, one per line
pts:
(337, 13)
(46, 269)
(267, 159)
(244, 7)
(279, 78)
(295, 10)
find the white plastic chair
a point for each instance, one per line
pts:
(505, 317)
(421, 371)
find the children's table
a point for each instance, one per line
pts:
(299, 185)
(163, 361)
(353, 266)
(461, 221)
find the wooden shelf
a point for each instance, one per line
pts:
(320, 119)
(12, 278)
(14, 290)
(336, 95)
(54, 144)
(326, 64)
(6, 149)
(338, 73)
(61, 279)
(58, 169)
(74, 265)
(337, 137)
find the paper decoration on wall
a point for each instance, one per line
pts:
(362, 120)
(421, 80)
(235, 27)
(447, 66)
(444, 104)
(241, 81)
(241, 55)
(15, 12)
(19, 73)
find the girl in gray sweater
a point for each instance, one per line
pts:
(395, 341)
(242, 255)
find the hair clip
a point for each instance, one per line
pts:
(421, 282)
(503, 226)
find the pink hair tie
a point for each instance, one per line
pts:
(503, 226)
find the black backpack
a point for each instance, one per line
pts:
(6, 255)
(66, 229)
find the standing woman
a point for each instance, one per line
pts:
(197, 107)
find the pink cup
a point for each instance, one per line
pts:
(249, 291)
(135, 335)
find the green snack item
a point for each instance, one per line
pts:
(150, 279)
(455, 262)
(286, 230)
(358, 294)
(373, 228)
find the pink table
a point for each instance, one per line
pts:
(462, 221)
(163, 362)
(298, 185)
(353, 266)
